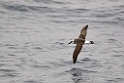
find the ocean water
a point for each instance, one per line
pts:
(34, 36)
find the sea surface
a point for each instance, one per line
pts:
(34, 36)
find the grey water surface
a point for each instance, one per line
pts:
(34, 36)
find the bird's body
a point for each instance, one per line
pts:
(79, 42)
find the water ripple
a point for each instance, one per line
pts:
(7, 70)
(16, 7)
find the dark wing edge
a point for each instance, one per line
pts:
(76, 52)
(83, 32)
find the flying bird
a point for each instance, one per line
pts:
(79, 42)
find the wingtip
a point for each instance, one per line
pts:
(86, 25)
(74, 61)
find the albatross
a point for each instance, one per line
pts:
(79, 42)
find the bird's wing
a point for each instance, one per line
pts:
(83, 32)
(77, 51)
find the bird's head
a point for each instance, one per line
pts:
(91, 42)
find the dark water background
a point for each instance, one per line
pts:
(34, 36)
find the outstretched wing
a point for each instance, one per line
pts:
(83, 32)
(77, 51)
